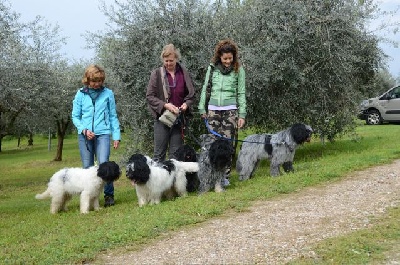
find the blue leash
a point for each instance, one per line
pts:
(229, 139)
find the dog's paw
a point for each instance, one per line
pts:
(219, 188)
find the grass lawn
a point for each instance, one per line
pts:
(31, 235)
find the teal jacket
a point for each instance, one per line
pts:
(229, 89)
(98, 115)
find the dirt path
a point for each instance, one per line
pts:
(279, 230)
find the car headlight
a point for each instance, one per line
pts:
(364, 104)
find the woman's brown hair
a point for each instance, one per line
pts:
(226, 46)
(93, 73)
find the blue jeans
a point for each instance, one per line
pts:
(100, 146)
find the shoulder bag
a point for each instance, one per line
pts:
(168, 118)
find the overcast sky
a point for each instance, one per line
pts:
(75, 17)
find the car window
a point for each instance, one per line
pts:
(396, 92)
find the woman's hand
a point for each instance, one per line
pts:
(116, 144)
(88, 134)
(241, 123)
(171, 107)
(183, 107)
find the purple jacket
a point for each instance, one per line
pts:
(155, 93)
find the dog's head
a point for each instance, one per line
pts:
(301, 132)
(220, 153)
(109, 171)
(186, 153)
(206, 140)
(136, 157)
(137, 170)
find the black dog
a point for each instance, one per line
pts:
(186, 153)
(215, 158)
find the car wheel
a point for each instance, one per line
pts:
(374, 118)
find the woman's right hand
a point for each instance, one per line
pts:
(171, 107)
(88, 134)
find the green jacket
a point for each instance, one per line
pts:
(226, 90)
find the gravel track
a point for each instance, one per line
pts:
(279, 230)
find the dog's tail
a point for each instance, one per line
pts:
(187, 166)
(43, 195)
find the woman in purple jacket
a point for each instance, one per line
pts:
(180, 96)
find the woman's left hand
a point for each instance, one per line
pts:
(241, 123)
(183, 107)
(116, 144)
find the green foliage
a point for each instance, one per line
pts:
(33, 236)
(381, 83)
(307, 61)
(29, 55)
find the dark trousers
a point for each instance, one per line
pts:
(166, 138)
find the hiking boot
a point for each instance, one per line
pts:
(108, 201)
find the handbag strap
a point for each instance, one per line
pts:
(209, 86)
(209, 81)
(162, 72)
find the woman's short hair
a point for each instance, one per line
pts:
(168, 50)
(226, 46)
(93, 73)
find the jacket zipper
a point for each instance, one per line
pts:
(220, 92)
(94, 111)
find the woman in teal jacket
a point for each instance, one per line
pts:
(94, 115)
(227, 102)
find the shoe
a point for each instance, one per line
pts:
(108, 201)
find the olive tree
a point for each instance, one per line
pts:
(12, 98)
(308, 61)
(133, 48)
(305, 61)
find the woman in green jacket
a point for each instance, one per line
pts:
(226, 106)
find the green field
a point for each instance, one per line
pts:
(31, 235)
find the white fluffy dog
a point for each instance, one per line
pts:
(86, 182)
(154, 180)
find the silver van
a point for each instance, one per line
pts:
(385, 108)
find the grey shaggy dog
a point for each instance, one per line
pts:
(214, 159)
(279, 148)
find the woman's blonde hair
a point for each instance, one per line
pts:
(168, 50)
(226, 46)
(93, 73)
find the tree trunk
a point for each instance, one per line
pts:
(61, 130)
(30, 140)
(60, 144)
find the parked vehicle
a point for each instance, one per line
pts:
(385, 108)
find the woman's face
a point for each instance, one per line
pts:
(170, 62)
(227, 59)
(95, 83)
